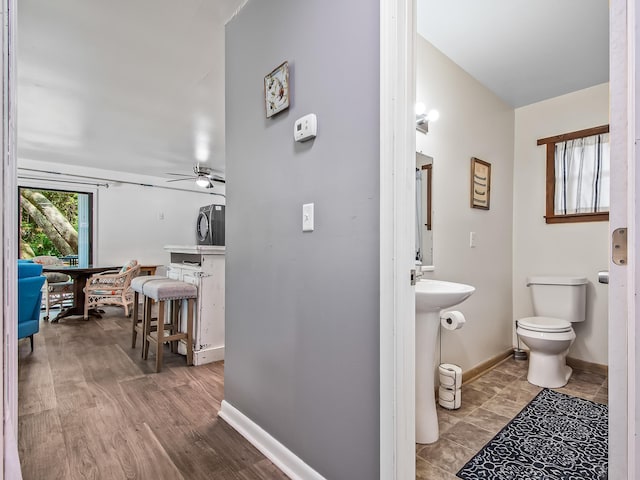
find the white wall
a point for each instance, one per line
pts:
(127, 223)
(570, 248)
(473, 123)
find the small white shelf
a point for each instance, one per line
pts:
(197, 249)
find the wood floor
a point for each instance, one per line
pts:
(90, 408)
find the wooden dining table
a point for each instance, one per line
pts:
(79, 275)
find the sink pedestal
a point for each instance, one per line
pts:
(427, 324)
(432, 296)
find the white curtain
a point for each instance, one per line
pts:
(84, 230)
(582, 170)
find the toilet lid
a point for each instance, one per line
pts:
(545, 324)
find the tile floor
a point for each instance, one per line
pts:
(488, 404)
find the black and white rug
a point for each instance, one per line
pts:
(556, 436)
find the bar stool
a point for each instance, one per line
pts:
(137, 323)
(172, 292)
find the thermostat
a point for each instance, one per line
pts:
(305, 128)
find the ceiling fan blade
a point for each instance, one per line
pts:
(199, 171)
(179, 179)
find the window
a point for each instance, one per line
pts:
(57, 223)
(578, 172)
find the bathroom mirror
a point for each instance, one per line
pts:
(424, 227)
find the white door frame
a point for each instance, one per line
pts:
(634, 156)
(623, 304)
(9, 362)
(633, 270)
(397, 236)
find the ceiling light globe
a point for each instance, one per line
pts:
(202, 181)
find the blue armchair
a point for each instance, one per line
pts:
(30, 282)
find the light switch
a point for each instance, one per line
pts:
(472, 239)
(307, 217)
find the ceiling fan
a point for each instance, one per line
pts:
(203, 176)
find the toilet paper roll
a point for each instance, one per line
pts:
(450, 399)
(449, 405)
(452, 320)
(450, 375)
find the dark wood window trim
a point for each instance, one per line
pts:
(550, 142)
(428, 172)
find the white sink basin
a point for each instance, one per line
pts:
(431, 297)
(434, 295)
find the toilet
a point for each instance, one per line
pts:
(557, 303)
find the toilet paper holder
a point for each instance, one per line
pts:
(450, 393)
(452, 320)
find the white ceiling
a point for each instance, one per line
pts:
(131, 86)
(524, 51)
(138, 86)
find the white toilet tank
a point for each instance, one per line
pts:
(559, 297)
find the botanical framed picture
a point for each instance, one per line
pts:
(480, 183)
(276, 90)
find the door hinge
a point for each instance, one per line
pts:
(413, 276)
(619, 246)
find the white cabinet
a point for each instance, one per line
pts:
(202, 266)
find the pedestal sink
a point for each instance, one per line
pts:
(431, 297)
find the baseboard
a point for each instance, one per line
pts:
(205, 355)
(485, 366)
(208, 355)
(588, 367)
(281, 456)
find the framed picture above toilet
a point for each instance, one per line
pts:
(480, 184)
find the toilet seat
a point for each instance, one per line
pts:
(545, 324)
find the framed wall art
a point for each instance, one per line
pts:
(480, 183)
(276, 90)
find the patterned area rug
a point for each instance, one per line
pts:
(556, 436)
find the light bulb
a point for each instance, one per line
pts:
(433, 115)
(420, 108)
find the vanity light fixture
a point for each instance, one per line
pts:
(423, 119)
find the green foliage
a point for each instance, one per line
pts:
(41, 245)
(66, 202)
(31, 234)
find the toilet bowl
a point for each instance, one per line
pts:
(548, 340)
(557, 302)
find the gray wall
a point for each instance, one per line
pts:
(302, 309)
